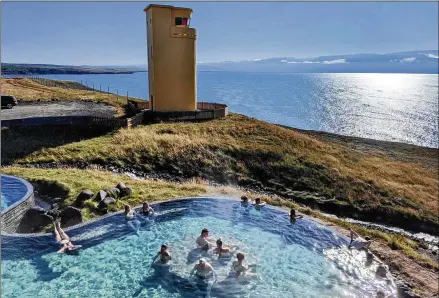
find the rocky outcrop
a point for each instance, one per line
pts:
(105, 203)
(124, 190)
(71, 216)
(82, 197)
(34, 220)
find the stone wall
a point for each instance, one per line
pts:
(11, 217)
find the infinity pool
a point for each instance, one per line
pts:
(304, 259)
(13, 190)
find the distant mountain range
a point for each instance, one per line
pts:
(402, 62)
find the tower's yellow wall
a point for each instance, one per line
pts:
(172, 63)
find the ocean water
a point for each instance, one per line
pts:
(12, 190)
(304, 259)
(390, 107)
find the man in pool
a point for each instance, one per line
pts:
(202, 240)
(147, 210)
(164, 255)
(358, 242)
(63, 239)
(203, 273)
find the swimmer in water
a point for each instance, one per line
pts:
(130, 217)
(245, 201)
(221, 250)
(147, 210)
(238, 267)
(293, 215)
(258, 203)
(164, 255)
(203, 272)
(202, 241)
(63, 239)
(358, 242)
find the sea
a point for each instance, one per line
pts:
(390, 107)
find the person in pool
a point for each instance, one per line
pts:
(164, 255)
(63, 239)
(381, 294)
(245, 201)
(258, 203)
(202, 270)
(238, 267)
(202, 240)
(147, 210)
(130, 217)
(293, 215)
(221, 250)
(358, 242)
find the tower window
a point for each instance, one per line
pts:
(181, 21)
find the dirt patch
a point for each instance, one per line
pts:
(55, 109)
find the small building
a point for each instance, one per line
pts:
(171, 59)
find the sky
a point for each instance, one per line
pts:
(114, 33)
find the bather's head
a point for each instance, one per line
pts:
(292, 212)
(258, 200)
(380, 294)
(127, 209)
(219, 242)
(145, 206)
(163, 247)
(240, 257)
(244, 199)
(204, 233)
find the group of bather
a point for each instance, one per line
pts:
(202, 269)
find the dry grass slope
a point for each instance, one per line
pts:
(238, 149)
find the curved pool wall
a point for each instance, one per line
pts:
(39, 250)
(17, 197)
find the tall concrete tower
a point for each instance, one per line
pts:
(171, 58)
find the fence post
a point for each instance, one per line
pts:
(127, 96)
(100, 90)
(108, 90)
(117, 94)
(93, 87)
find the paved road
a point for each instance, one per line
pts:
(64, 108)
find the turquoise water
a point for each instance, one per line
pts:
(390, 107)
(304, 259)
(12, 191)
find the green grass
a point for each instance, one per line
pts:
(75, 180)
(243, 151)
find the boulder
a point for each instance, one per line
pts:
(106, 202)
(102, 194)
(82, 197)
(71, 216)
(34, 220)
(124, 190)
(113, 192)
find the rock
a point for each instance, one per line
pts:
(102, 194)
(106, 202)
(113, 192)
(34, 220)
(82, 197)
(55, 206)
(71, 216)
(124, 190)
(404, 291)
(54, 213)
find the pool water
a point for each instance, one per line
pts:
(304, 259)
(12, 191)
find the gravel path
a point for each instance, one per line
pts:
(64, 108)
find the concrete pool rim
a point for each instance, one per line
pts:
(225, 198)
(29, 192)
